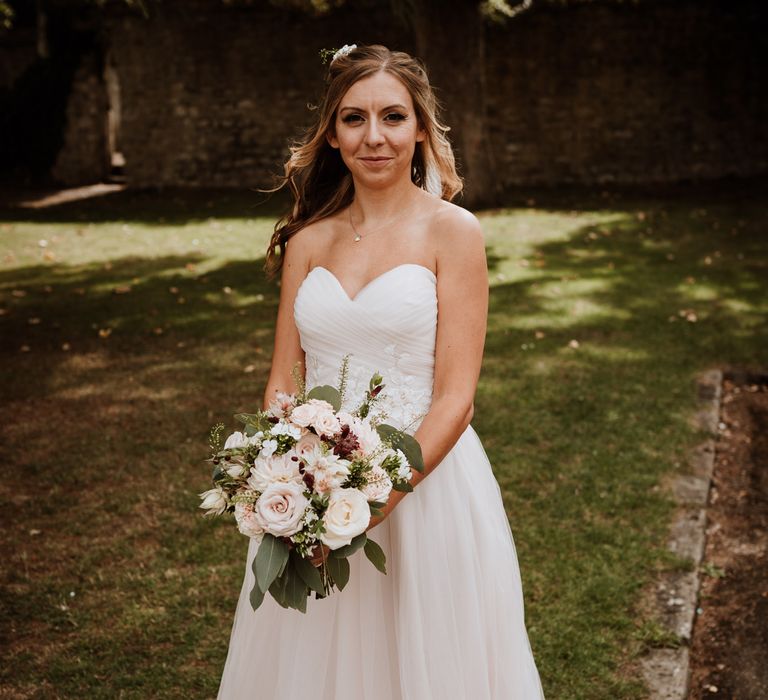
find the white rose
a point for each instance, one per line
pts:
(281, 507)
(379, 485)
(268, 448)
(328, 470)
(347, 516)
(247, 522)
(237, 439)
(305, 414)
(275, 469)
(214, 501)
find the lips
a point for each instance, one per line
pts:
(376, 162)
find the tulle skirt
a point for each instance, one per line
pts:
(446, 621)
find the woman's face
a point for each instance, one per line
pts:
(376, 130)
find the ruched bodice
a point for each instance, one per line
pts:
(389, 327)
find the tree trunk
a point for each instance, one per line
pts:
(450, 37)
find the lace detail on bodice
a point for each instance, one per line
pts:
(404, 400)
(389, 327)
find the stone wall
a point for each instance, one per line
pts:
(651, 92)
(214, 98)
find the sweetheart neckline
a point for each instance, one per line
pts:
(371, 281)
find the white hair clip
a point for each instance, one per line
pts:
(343, 51)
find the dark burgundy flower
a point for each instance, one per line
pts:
(346, 442)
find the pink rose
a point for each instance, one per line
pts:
(280, 508)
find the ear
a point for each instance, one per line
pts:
(421, 134)
(331, 138)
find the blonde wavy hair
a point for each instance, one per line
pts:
(319, 181)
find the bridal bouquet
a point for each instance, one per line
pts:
(305, 473)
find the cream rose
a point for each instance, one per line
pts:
(275, 469)
(305, 414)
(247, 523)
(326, 423)
(280, 508)
(347, 516)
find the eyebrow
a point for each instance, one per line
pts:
(360, 109)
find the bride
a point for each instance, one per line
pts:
(377, 264)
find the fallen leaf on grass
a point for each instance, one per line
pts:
(105, 332)
(249, 368)
(122, 289)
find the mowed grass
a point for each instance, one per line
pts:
(130, 324)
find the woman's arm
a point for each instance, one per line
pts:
(462, 292)
(287, 352)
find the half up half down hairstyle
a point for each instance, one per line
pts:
(320, 182)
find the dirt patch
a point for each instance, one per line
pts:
(730, 637)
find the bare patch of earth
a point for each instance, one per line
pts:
(729, 653)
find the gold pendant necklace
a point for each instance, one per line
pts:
(358, 236)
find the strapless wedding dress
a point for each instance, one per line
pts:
(446, 621)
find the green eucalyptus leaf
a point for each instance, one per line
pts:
(339, 571)
(376, 555)
(309, 574)
(376, 512)
(326, 393)
(269, 560)
(351, 548)
(256, 420)
(404, 442)
(403, 486)
(289, 590)
(257, 596)
(218, 472)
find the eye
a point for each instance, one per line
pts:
(395, 117)
(351, 118)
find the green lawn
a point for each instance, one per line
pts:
(132, 323)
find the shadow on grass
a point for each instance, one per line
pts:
(582, 406)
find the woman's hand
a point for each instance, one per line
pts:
(319, 554)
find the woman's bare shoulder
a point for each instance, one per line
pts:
(304, 246)
(455, 220)
(456, 233)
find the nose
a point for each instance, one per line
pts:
(373, 134)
